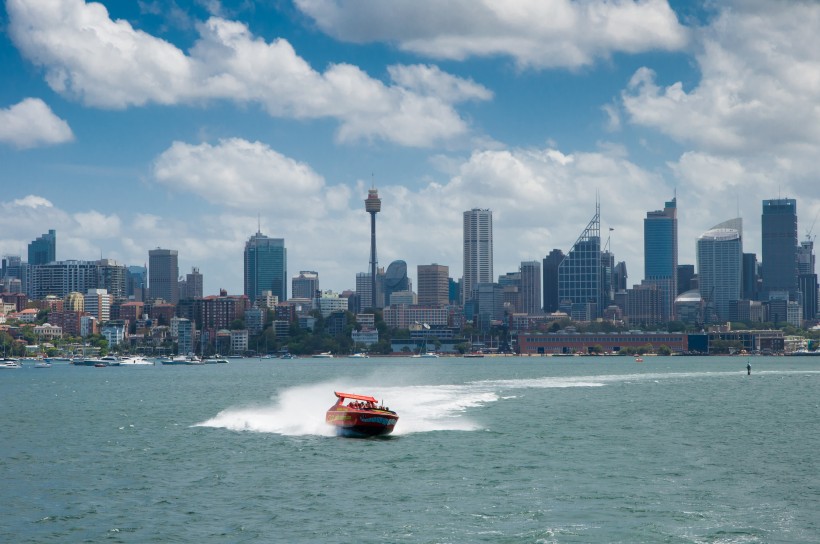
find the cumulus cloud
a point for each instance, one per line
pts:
(535, 33)
(31, 123)
(105, 63)
(241, 174)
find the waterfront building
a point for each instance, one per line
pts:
(114, 332)
(531, 287)
(43, 250)
(163, 275)
(660, 250)
(239, 342)
(185, 335)
(478, 250)
(779, 243)
(402, 316)
(575, 342)
(266, 266)
(433, 284)
(305, 284)
(579, 274)
(720, 258)
(395, 280)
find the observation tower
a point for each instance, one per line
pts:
(373, 205)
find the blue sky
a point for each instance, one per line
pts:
(131, 125)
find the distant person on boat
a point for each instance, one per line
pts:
(748, 369)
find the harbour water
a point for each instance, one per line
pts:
(501, 450)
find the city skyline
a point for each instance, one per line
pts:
(430, 116)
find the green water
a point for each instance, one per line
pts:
(535, 450)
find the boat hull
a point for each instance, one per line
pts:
(354, 423)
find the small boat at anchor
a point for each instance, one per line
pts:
(360, 416)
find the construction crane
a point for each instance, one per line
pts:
(809, 237)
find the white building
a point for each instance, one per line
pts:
(478, 250)
(331, 302)
(239, 342)
(366, 337)
(97, 302)
(114, 333)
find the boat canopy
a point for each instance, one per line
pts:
(355, 397)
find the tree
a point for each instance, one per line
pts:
(664, 350)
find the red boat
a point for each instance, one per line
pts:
(360, 416)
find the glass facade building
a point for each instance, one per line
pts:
(266, 267)
(43, 250)
(163, 275)
(779, 237)
(660, 252)
(579, 274)
(720, 262)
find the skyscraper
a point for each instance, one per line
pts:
(531, 287)
(660, 251)
(163, 275)
(395, 280)
(478, 250)
(579, 274)
(779, 237)
(266, 267)
(43, 250)
(720, 260)
(551, 263)
(193, 283)
(434, 284)
(305, 284)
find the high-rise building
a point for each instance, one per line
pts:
(748, 290)
(720, 259)
(364, 284)
(113, 278)
(807, 278)
(478, 250)
(97, 302)
(660, 251)
(551, 264)
(434, 284)
(43, 250)
(136, 283)
(266, 266)
(395, 280)
(531, 287)
(579, 274)
(59, 278)
(779, 237)
(194, 284)
(686, 272)
(619, 277)
(163, 275)
(305, 284)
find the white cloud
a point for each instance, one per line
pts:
(241, 174)
(110, 64)
(31, 123)
(535, 33)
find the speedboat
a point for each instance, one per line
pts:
(42, 364)
(136, 360)
(10, 363)
(426, 355)
(359, 356)
(360, 416)
(215, 360)
(323, 355)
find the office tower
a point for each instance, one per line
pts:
(720, 259)
(373, 205)
(686, 273)
(551, 263)
(433, 284)
(113, 278)
(478, 250)
(807, 279)
(305, 284)
(163, 275)
(579, 274)
(43, 250)
(14, 275)
(619, 277)
(805, 257)
(779, 236)
(607, 285)
(395, 280)
(660, 252)
(364, 284)
(193, 283)
(266, 267)
(510, 284)
(136, 282)
(531, 287)
(748, 290)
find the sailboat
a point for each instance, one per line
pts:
(424, 353)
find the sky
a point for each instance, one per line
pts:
(190, 124)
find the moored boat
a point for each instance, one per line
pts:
(360, 416)
(136, 360)
(323, 355)
(10, 363)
